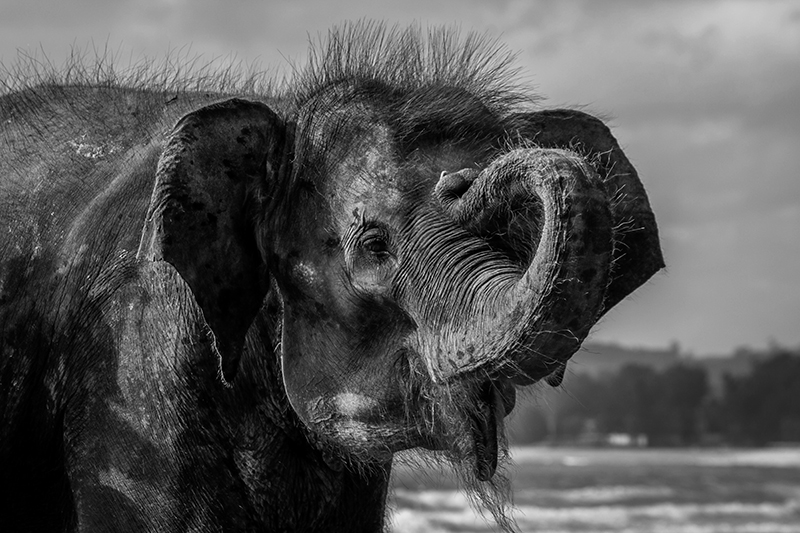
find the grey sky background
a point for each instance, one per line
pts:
(703, 95)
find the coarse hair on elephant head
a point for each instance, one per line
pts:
(433, 239)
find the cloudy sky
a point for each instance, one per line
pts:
(703, 95)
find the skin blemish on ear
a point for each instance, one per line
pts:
(90, 150)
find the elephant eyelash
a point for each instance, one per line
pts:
(370, 229)
(379, 249)
(369, 240)
(375, 239)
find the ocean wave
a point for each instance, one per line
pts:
(448, 511)
(596, 494)
(772, 457)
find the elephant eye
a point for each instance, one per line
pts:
(375, 241)
(370, 258)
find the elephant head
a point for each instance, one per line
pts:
(431, 249)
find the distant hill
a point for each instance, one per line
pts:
(596, 359)
(600, 358)
(668, 405)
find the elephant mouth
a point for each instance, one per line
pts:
(462, 419)
(469, 430)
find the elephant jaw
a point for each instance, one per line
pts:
(464, 421)
(524, 319)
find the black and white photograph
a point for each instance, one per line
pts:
(401, 267)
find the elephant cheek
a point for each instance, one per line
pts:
(349, 402)
(315, 365)
(306, 377)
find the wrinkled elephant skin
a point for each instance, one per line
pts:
(225, 312)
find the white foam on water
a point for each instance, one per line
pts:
(775, 457)
(601, 494)
(411, 521)
(620, 515)
(771, 457)
(448, 511)
(435, 499)
(570, 460)
(614, 508)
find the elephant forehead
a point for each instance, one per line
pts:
(377, 181)
(374, 169)
(368, 177)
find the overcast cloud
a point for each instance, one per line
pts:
(703, 95)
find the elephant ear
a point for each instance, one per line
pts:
(216, 160)
(637, 251)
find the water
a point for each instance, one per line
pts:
(616, 490)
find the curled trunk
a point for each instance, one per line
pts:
(536, 275)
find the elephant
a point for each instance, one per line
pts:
(229, 310)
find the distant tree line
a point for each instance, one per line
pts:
(674, 406)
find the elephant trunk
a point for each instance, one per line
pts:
(538, 279)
